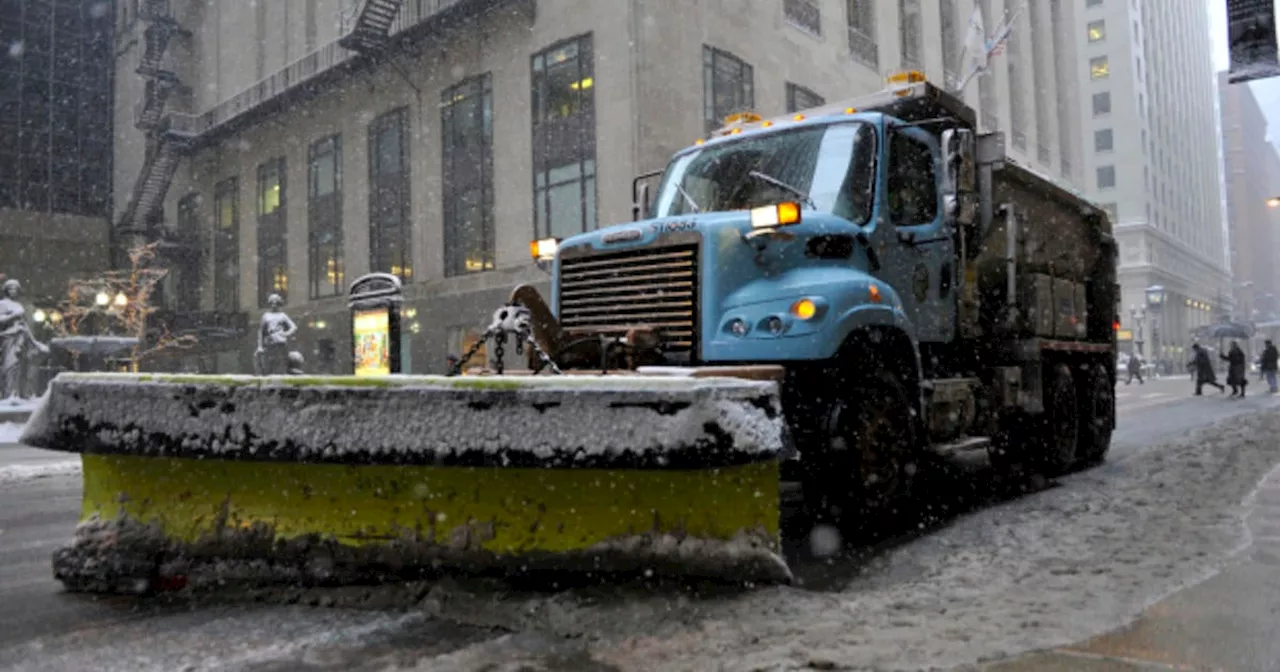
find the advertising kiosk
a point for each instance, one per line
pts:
(375, 301)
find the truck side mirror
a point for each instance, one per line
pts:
(960, 178)
(640, 195)
(640, 209)
(957, 155)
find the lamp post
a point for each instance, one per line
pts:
(1155, 304)
(1139, 317)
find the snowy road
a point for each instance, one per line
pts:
(1041, 570)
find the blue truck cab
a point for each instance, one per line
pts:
(871, 256)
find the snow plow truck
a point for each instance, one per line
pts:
(828, 296)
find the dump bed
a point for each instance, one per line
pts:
(1047, 262)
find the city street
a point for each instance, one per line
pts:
(1054, 570)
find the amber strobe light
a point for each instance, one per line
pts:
(545, 249)
(781, 214)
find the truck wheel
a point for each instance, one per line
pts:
(1097, 406)
(1060, 428)
(871, 451)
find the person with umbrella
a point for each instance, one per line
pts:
(1237, 377)
(1204, 370)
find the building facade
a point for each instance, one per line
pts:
(291, 147)
(55, 141)
(1250, 174)
(1151, 159)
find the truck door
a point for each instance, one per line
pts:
(917, 245)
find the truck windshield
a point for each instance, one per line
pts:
(834, 165)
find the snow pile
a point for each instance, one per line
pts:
(587, 421)
(1046, 570)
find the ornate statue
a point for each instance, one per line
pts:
(15, 338)
(274, 333)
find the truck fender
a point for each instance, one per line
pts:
(872, 325)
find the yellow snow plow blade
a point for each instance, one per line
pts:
(344, 479)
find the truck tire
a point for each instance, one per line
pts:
(872, 449)
(1097, 409)
(1060, 423)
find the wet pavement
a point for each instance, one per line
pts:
(1229, 622)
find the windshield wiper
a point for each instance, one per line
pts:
(689, 199)
(783, 185)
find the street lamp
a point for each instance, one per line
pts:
(38, 316)
(1273, 202)
(1139, 316)
(102, 299)
(121, 300)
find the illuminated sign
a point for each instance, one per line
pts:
(371, 331)
(1124, 335)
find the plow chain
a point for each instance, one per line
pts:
(509, 320)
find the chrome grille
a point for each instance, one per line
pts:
(614, 291)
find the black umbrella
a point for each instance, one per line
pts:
(1225, 330)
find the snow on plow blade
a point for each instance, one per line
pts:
(333, 479)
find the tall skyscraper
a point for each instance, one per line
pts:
(1151, 158)
(56, 112)
(1252, 218)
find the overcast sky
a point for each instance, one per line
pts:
(1267, 91)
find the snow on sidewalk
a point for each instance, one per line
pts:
(26, 471)
(10, 431)
(1041, 571)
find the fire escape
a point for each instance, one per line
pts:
(372, 30)
(165, 145)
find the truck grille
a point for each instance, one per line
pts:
(614, 291)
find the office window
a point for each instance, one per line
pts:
(1093, 3)
(910, 34)
(862, 33)
(1099, 68)
(1101, 103)
(324, 218)
(390, 237)
(1097, 31)
(564, 138)
(273, 262)
(1103, 141)
(466, 122)
(803, 14)
(727, 86)
(1106, 177)
(800, 98)
(226, 246)
(184, 275)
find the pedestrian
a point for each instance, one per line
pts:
(1237, 377)
(451, 366)
(1270, 363)
(1135, 369)
(1204, 370)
